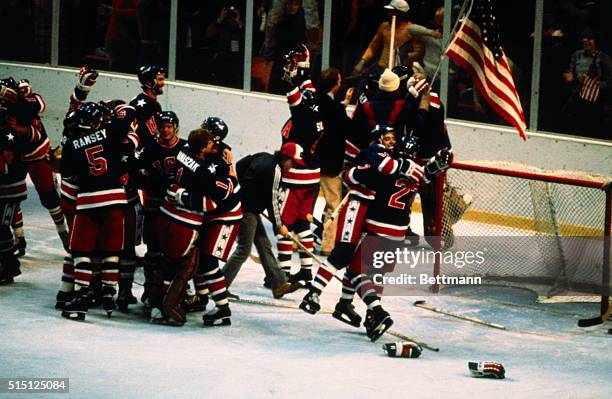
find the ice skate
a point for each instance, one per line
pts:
(345, 312)
(311, 303)
(219, 316)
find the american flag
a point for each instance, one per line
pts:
(476, 48)
(589, 91)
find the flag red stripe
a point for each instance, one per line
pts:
(492, 71)
(492, 77)
(505, 77)
(502, 112)
(491, 88)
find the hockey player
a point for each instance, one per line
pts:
(193, 196)
(152, 79)
(387, 216)
(13, 144)
(432, 138)
(351, 222)
(299, 186)
(25, 115)
(92, 159)
(158, 162)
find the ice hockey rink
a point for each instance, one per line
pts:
(282, 352)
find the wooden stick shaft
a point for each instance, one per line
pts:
(336, 211)
(459, 316)
(392, 43)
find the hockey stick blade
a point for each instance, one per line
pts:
(595, 321)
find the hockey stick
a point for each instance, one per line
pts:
(306, 250)
(595, 320)
(421, 304)
(334, 215)
(407, 338)
(327, 311)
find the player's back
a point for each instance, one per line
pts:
(94, 161)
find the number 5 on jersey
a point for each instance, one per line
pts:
(97, 165)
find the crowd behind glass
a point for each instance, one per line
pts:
(119, 35)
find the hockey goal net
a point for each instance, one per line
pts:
(545, 230)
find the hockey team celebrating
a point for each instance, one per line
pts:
(127, 177)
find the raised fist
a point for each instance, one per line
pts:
(416, 86)
(439, 163)
(87, 78)
(24, 87)
(302, 56)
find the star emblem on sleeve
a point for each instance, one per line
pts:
(141, 103)
(10, 137)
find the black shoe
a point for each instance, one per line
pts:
(311, 303)
(108, 302)
(380, 322)
(20, 247)
(304, 276)
(10, 268)
(125, 298)
(62, 299)
(345, 311)
(6, 278)
(219, 316)
(77, 309)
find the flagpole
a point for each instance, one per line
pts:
(462, 14)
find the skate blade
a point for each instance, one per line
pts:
(217, 323)
(308, 309)
(345, 319)
(375, 334)
(78, 316)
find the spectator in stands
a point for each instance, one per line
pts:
(122, 36)
(331, 146)
(408, 48)
(153, 17)
(290, 30)
(432, 38)
(553, 93)
(278, 12)
(226, 35)
(590, 76)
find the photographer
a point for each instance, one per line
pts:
(226, 35)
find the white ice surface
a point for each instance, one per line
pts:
(285, 353)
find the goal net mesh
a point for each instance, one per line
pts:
(541, 235)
